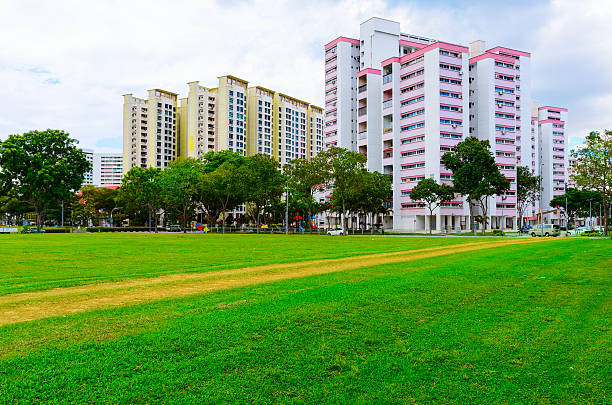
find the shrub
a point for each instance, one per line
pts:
(58, 230)
(122, 229)
(498, 232)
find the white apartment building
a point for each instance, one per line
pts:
(88, 180)
(500, 90)
(107, 169)
(554, 158)
(404, 100)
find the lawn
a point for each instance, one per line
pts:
(509, 323)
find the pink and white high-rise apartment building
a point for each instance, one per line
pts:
(404, 100)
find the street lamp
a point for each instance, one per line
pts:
(287, 210)
(504, 197)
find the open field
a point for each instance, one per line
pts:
(246, 318)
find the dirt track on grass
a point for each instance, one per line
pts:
(25, 307)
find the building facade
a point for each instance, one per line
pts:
(403, 100)
(249, 120)
(88, 180)
(554, 159)
(150, 136)
(107, 169)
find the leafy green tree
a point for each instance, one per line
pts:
(593, 168)
(262, 182)
(576, 202)
(141, 189)
(223, 188)
(180, 187)
(527, 190)
(211, 161)
(94, 203)
(341, 168)
(306, 177)
(39, 167)
(432, 194)
(475, 174)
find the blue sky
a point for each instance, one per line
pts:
(71, 74)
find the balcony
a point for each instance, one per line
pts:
(363, 88)
(362, 111)
(387, 78)
(387, 104)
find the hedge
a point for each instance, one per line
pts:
(122, 229)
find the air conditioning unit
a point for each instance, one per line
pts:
(500, 105)
(503, 132)
(460, 73)
(501, 93)
(460, 95)
(460, 109)
(454, 125)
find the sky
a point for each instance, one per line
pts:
(66, 64)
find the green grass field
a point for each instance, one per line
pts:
(506, 323)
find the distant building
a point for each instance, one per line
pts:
(89, 155)
(150, 130)
(249, 120)
(107, 169)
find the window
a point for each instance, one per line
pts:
(450, 122)
(413, 113)
(450, 108)
(450, 94)
(413, 74)
(449, 53)
(413, 139)
(504, 90)
(450, 81)
(411, 88)
(413, 126)
(412, 100)
(413, 165)
(450, 135)
(450, 67)
(413, 152)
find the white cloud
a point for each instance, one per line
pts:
(65, 64)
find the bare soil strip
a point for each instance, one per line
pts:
(24, 307)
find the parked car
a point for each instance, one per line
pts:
(577, 231)
(526, 228)
(335, 232)
(174, 228)
(545, 230)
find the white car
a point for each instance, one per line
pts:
(334, 232)
(578, 231)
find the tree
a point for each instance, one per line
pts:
(141, 188)
(94, 202)
(306, 177)
(263, 182)
(374, 191)
(224, 188)
(180, 186)
(576, 202)
(40, 167)
(527, 190)
(433, 194)
(341, 167)
(593, 168)
(475, 174)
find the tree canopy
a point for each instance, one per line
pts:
(475, 173)
(42, 167)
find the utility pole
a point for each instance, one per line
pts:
(590, 216)
(287, 210)
(62, 213)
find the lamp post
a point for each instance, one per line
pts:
(590, 216)
(504, 197)
(287, 210)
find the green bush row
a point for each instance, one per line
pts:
(122, 229)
